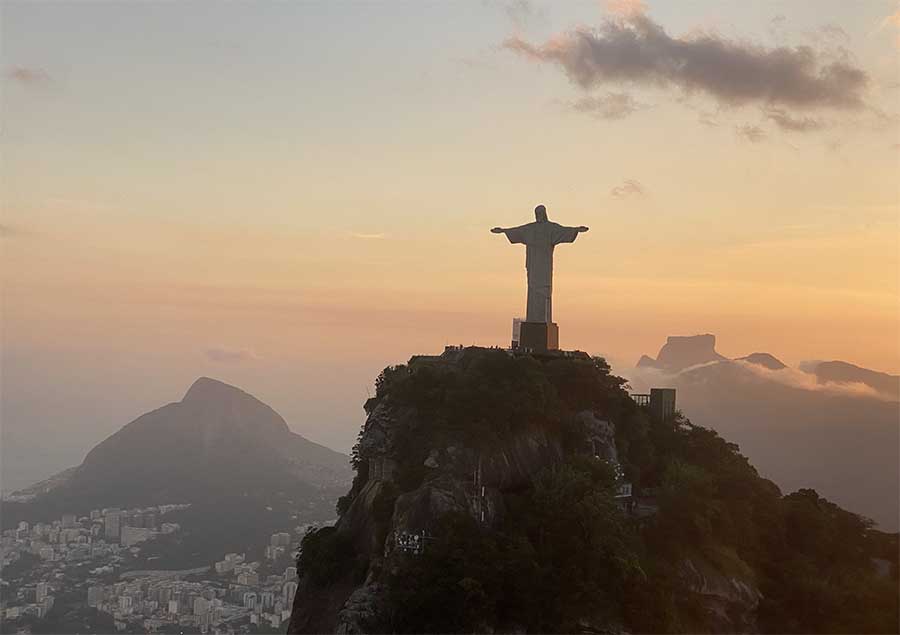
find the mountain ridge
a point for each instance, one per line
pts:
(218, 441)
(833, 433)
(684, 352)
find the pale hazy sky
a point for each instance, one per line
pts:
(291, 196)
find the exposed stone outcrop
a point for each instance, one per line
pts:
(458, 478)
(362, 610)
(681, 351)
(601, 435)
(728, 600)
(358, 522)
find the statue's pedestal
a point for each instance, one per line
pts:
(539, 336)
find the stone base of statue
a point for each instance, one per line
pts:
(538, 336)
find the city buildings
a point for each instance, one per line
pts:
(86, 559)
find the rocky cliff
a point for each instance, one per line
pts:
(505, 493)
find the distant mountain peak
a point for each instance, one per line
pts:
(682, 351)
(218, 440)
(763, 359)
(207, 388)
(646, 362)
(846, 373)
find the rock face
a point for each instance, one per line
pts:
(403, 490)
(449, 487)
(457, 478)
(360, 610)
(729, 601)
(682, 351)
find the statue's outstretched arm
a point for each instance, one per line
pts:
(564, 234)
(513, 234)
(506, 230)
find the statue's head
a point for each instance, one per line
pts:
(540, 214)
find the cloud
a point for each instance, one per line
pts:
(785, 121)
(626, 8)
(632, 48)
(8, 231)
(522, 12)
(776, 28)
(230, 355)
(610, 106)
(833, 33)
(892, 20)
(364, 236)
(753, 134)
(798, 378)
(27, 76)
(641, 378)
(629, 188)
(708, 119)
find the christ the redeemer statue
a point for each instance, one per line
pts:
(539, 238)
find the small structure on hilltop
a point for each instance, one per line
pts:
(660, 401)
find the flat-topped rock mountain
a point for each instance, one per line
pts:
(218, 441)
(683, 351)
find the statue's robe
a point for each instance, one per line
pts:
(539, 239)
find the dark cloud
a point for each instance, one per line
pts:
(230, 355)
(27, 76)
(753, 134)
(634, 49)
(788, 122)
(629, 188)
(608, 106)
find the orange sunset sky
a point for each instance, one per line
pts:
(290, 197)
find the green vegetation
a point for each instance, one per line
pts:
(572, 554)
(566, 554)
(821, 575)
(72, 618)
(213, 528)
(327, 556)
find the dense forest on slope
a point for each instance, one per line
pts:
(722, 550)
